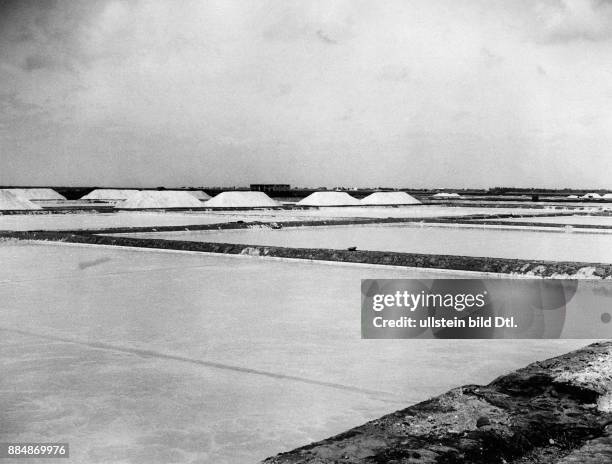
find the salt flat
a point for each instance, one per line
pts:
(147, 356)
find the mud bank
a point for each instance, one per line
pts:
(555, 411)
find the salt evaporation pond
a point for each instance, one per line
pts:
(566, 220)
(143, 356)
(107, 220)
(411, 238)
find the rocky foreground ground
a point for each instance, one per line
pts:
(556, 411)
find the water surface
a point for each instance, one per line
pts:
(555, 245)
(158, 357)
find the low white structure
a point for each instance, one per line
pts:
(37, 193)
(241, 199)
(11, 202)
(389, 198)
(109, 194)
(329, 199)
(446, 195)
(607, 196)
(160, 199)
(572, 197)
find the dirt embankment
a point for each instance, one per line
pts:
(556, 411)
(462, 263)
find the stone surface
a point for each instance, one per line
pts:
(545, 413)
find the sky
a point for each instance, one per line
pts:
(410, 93)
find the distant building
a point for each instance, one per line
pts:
(270, 187)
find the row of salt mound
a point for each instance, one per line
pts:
(192, 199)
(240, 199)
(124, 194)
(344, 199)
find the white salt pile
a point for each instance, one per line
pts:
(109, 194)
(160, 199)
(9, 201)
(199, 194)
(446, 195)
(37, 193)
(389, 198)
(329, 199)
(241, 199)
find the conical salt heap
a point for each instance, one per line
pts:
(37, 193)
(160, 199)
(109, 194)
(241, 199)
(329, 199)
(389, 198)
(11, 202)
